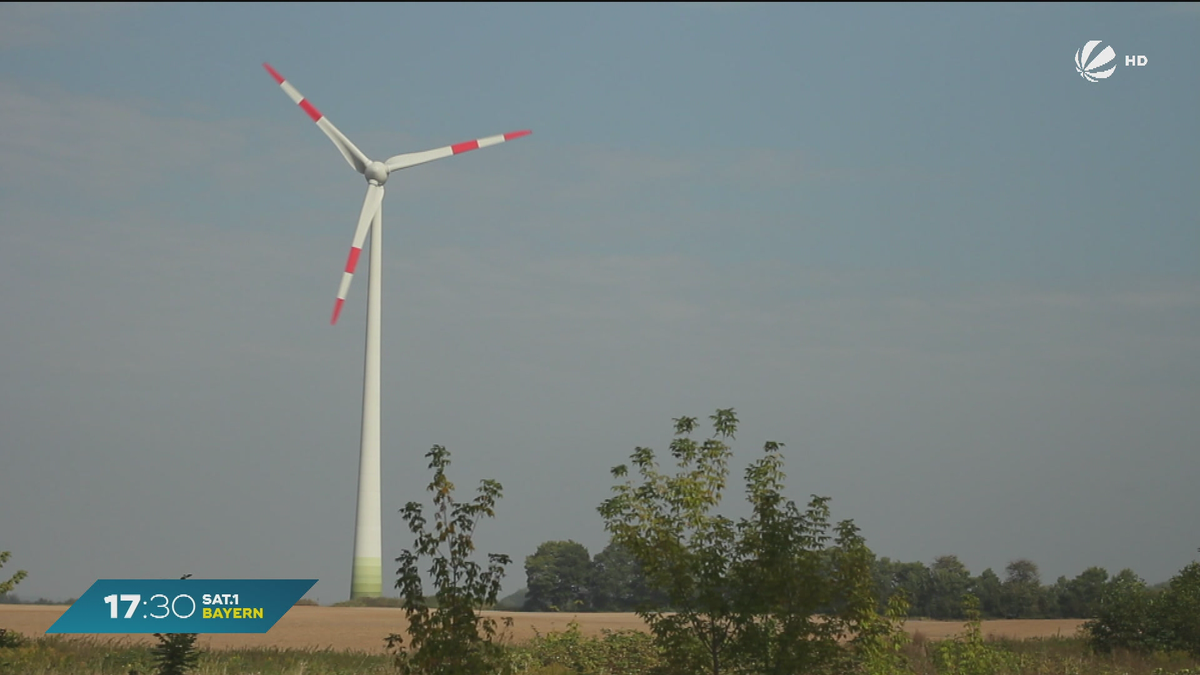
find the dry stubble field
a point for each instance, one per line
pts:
(364, 628)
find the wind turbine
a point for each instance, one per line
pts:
(367, 577)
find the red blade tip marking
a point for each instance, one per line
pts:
(516, 134)
(337, 309)
(463, 147)
(274, 73)
(311, 110)
(352, 261)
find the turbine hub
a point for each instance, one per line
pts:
(377, 173)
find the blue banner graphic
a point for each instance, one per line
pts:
(182, 606)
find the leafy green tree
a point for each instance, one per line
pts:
(743, 595)
(620, 585)
(666, 525)
(1021, 593)
(1178, 609)
(9, 638)
(881, 642)
(786, 572)
(559, 577)
(451, 638)
(988, 589)
(1080, 597)
(7, 586)
(1125, 618)
(913, 579)
(1057, 597)
(884, 581)
(949, 581)
(1134, 617)
(916, 582)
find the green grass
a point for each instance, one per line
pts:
(569, 653)
(56, 655)
(1038, 656)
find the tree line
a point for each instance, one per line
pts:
(561, 576)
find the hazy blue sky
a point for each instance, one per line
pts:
(961, 283)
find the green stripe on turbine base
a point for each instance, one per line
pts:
(366, 581)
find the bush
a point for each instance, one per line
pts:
(880, 645)
(175, 653)
(451, 638)
(8, 585)
(1178, 610)
(742, 594)
(624, 652)
(11, 639)
(1127, 618)
(969, 653)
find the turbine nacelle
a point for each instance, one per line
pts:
(376, 173)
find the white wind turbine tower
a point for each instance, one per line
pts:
(367, 577)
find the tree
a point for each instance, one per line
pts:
(559, 577)
(1080, 597)
(1125, 617)
(949, 581)
(1058, 598)
(988, 589)
(451, 638)
(884, 580)
(1178, 609)
(1132, 616)
(620, 585)
(1020, 595)
(743, 595)
(969, 653)
(7, 586)
(785, 573)
(9, 639)
(913, 579)
(175, 653)
(685, 551)
(881, 642)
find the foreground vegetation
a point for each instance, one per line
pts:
(785, 590)
(616, 653)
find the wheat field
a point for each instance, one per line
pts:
(364, 628)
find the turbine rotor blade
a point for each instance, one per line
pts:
(355, 157)
(371, 205)
(414, 158)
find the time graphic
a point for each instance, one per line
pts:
(222, 610)
(182, 606)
